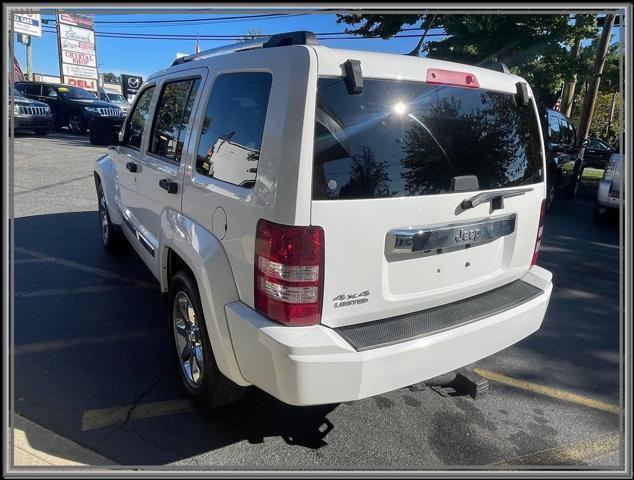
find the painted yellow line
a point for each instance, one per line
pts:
(92, 419)
(548, 391)
(573, 454)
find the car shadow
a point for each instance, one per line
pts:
(60, 137)
(90, 334)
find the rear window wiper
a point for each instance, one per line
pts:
(496, 198)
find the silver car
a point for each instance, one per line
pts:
(609, 191)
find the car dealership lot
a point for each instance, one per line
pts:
(93, 361)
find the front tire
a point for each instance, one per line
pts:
(75, 124)
(197, 366)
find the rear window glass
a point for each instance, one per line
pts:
(401, 139)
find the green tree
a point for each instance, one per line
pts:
(533, 46)
(110, 77)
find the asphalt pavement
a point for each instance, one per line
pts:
(93, 361)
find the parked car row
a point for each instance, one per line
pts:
(72, 107)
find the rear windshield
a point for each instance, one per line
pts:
(400, 139)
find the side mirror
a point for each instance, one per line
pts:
(584, 143)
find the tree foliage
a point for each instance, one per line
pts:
(110, 77)
(533, 46)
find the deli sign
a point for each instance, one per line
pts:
(77, 50)
(84, 83)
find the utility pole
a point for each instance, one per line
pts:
(26, 39)
(593, 90)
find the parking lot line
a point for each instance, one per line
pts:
(548, 391)
(83, 341)
(573, 454)
(84, 268)
(92, 419)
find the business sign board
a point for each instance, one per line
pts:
(77, 50)
(130, 85)
(77, 46)
(28, 24)
(76, 20)
(78, 71)
(76, 33)
(77, 58)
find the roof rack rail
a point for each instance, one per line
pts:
(277, 40)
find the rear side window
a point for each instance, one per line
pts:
(401, 139)
(138, 119)
(231, 136)
(554, 129)
(172, 117)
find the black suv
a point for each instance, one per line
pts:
(73, 107)
(564, 165)
(31, 115)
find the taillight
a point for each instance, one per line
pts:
(540, 233)
(449, 77)
(289, 272)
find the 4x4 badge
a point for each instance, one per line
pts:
(348, 299)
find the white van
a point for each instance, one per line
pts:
(331, 224)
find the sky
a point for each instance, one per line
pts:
(143, 57)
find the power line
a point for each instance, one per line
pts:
(237, 37)
(186, 21)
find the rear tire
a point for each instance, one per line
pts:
(111, 234)
(196, 364)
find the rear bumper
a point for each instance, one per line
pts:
(607, 198)
(315, 365)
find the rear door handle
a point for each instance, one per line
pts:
(169, 185)
(131, 166)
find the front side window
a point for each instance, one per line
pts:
(48, 91)
(231, 136)
(401, 138)
(138, 119)
(172, 117)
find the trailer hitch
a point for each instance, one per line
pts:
(461, 382)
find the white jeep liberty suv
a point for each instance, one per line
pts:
(330, 224)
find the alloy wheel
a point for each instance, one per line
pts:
(188, 339)
(74, 123)
(103, 218)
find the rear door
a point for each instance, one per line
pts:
(50, 96)
(394, 171)
(160, 178)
